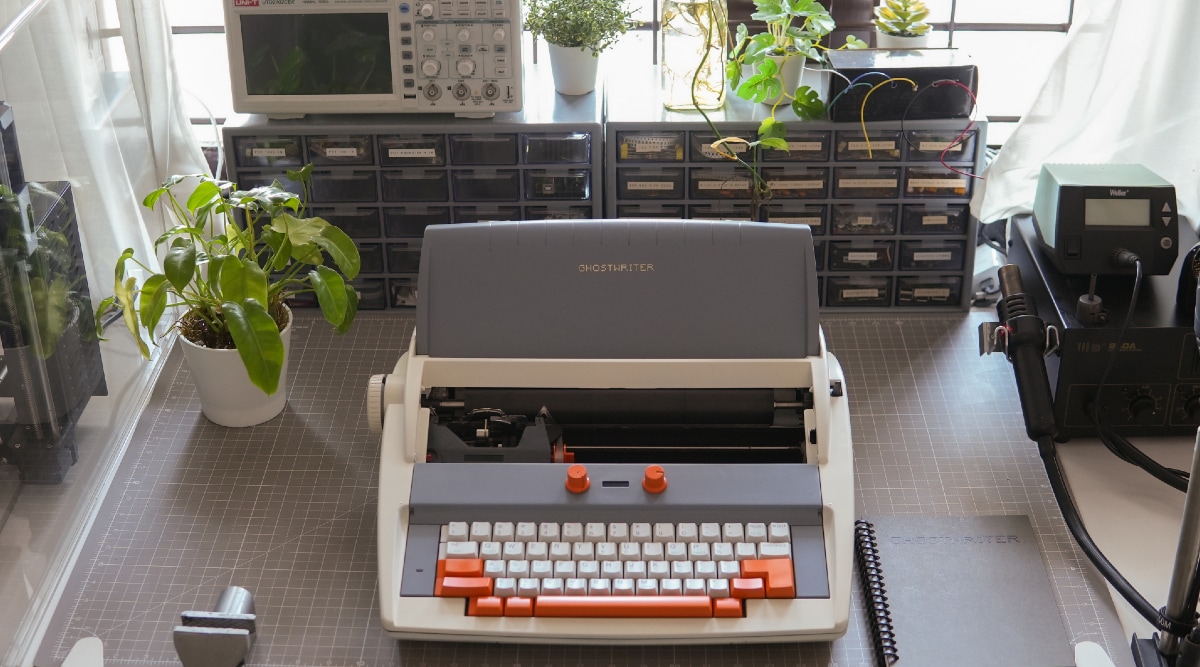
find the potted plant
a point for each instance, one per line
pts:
(232, 259)
(900, 24)
(577, 31)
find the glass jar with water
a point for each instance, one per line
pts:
(694, 37)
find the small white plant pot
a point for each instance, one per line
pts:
(574, 69)
(227, 397)
(884, 40)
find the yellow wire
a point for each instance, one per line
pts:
(862, 111)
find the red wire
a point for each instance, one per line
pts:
(963, 134)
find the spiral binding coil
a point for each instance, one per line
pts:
(878, 612)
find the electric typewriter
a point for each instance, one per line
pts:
(619, 431)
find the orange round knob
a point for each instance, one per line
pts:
(577, 479)
(655, 480)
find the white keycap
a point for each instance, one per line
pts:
(779, 532)
(540, 569)
(710, 532)
(717, 588)
(664, 532)
(686, 532)
(491, 551)
(722, 551)
(729, 569)
(572, 532)
(647, 587)
(442, 551)
(503, 531)
(732, 532)
(705, 569)
(670, 587)
(699, 551)
(599, 587)
(528, 587)
(576, 586)
(595, 532)
(653, 551)
(537, 550)
(462, 550)
(682, 569)
(548, 532)
(481, 531)
(588, 569)
(658, 569)
(635, 569)
(495, 569)
(504, 587)
(768, 550)
(694, 587)
(612, 569)
(640, 532)
(554, 586)
(518, 568)
(458, 531)
(560, 551)
(745, 551)
(514, 551)
(630, 551)
(618, 532)
(564, 569)
(606, 551)
(526, 531)
(756, 532)
(676, 551)
(583, 551)
(622, 587)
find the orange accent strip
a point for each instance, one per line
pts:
(489, 606)
(460, 567)
(462, 587)
(778, 574)
(727, 608)
(518, 607)
(747, 588)
(663, 606)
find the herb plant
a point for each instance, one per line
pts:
(587, 24)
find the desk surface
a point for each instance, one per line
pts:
(287, 509)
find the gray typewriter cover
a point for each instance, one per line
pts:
(618, 289)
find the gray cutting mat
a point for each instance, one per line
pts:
(287, 509)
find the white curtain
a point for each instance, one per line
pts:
(1123, 90)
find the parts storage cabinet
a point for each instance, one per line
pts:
(888, 210)
(383, 179)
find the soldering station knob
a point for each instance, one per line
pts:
(655, 480)
(577, 479)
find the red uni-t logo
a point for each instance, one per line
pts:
(245, 3)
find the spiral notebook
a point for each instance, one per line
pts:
(953, 591)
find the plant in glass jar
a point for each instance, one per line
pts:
(577, 31)
(900, 24)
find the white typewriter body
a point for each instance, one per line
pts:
(411, 473)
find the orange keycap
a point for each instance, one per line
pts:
(747, 588)
(727, 608)
(778, 575)
(465, 567)
(463, 587)
(489, 606)
(663, 606)
(518, 607)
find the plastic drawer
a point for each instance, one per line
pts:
(260, 179)
(797, 182)
(404, 256)
(573, 184)
(846, 291)
(340, 150)
(935, 182)
(876, 146)
(668, 211)
(934, 145)
(405, 185)
(402, 291)
(718, 183)
(650, 146)
(486, 213)
(371, 255)
(819, 253)
(557, 148)
(344, 186)
(416, 150)
(866, 182)
(371, 293)
(807, 146)
(486, 184)
(401, 221)
(701, 149)
(861, 255)
(863, 219)
(722, 211)
(815, 216)
(558, 212)
(483, 149)
(650, 183)
(934, 219)
(932, 255)
(928, 290)
(358, 223)
(267, 152)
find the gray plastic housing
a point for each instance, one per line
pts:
(618, 289)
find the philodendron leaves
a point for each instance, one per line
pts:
(309, 236)
(338, 301)
(258, 342)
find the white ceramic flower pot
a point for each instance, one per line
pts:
(886, 41)
(574, 69)
(227, 397)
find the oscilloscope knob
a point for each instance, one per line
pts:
(464, 35)
(430, 67)
(466, 67)
(498, 35)
(426, 10)
(428, 35)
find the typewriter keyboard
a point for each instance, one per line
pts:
(677, 570)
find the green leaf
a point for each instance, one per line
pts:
(124, 293)
(771, 128)
(351, 310)
(206, 193)
(243, 280)
(119, 271)
(775, 143)
(341, 249)
(258, 342)
(808, 104)
(152, 302)
(180, 263)
(331, 293)
(106, 305)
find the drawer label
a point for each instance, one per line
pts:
(864, 220)
(795, 185)
(874, 146)
(861, 293)
(811, 222)
(713, 154)
(412, 152)
(653, 145)
(805, 145)
(932, 256)
(727, 184)
(268, 152)
(868, 183)
(931, 292)
(650, 185)
(956, 183)
(931, 146)
(862, 256)
(341, 151)
(935, 220)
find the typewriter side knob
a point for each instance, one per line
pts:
(375, 402)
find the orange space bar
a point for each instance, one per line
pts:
(665, 606)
